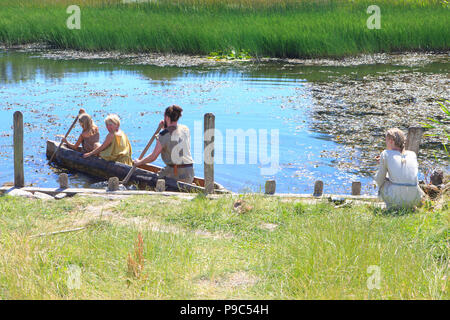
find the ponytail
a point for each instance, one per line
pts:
(173, 112)
(399, 140)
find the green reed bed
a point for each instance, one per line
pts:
(280, 29)
(264, 248)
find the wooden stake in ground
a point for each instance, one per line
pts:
(318, 188)
(70, 129)
(413, 139)
(356, 188)
(208, 152)
(19, 180)
(270, 187)
(133, 169)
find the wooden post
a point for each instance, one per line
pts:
(63, 181)
(318, 188)
(160, 185)
(413, 139)
(270, 187)
(113, 184)
(208, 152)
(356, 188)
(19, 180)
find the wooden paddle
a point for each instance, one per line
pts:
(70, 129)
(132, 170)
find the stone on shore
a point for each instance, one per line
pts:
(19, 193)
(42, 196)
(437, 177)
(60, 196)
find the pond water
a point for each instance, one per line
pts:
(266, 102)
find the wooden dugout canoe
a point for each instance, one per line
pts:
(145, 176)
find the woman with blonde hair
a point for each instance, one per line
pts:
(89, 138)
(400, 188)
(116, 146)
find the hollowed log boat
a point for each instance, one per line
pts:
(145, 176)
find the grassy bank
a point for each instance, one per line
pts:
(263, 28)
(200, 248)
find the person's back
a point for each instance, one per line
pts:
(90, 141)
(176, 153)
(89, 138)
(397, 174)
(402, 168)
(176, 145)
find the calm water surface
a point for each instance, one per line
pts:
(248, 97)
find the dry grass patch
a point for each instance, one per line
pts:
(226, 285)
(111, 212)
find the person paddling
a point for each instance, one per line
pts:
(174, 145)
(401, 188)
(116, 146)
(89, 138)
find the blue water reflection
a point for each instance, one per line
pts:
(239, 100)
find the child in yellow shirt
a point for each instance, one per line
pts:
(116, 146)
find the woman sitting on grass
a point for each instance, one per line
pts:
(116, 146)
(89, 138)
(401, 188)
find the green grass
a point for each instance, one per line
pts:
(315, 251)
(281, 29)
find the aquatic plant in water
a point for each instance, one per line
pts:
(441, 125)
(230, 54)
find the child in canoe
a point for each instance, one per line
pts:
(89, 138)
(116, 146)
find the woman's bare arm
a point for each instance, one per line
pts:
(108, 140)
(156, 152)
(76, 145)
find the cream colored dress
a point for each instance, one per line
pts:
(397, 179)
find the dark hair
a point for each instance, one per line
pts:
(173, 112)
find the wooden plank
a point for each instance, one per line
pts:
(57, 232)
(86, 191)
(413, 139)
(73, 191)
(326, 196)
(208, 152)
(19, 178)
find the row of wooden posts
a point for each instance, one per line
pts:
(412, 143)
(270, 188)
(19, 177)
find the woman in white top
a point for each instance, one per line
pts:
(400, 189)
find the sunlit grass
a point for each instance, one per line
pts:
(216, 3)
(311, 251)
(263, 28)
